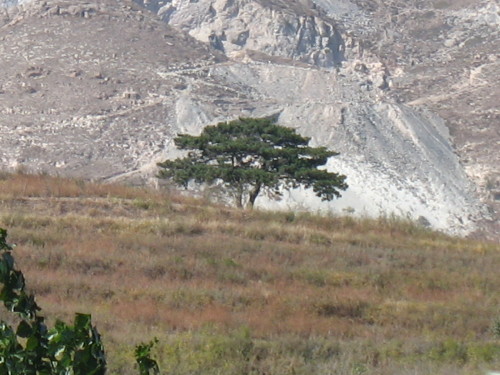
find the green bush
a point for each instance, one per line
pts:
(34, 349)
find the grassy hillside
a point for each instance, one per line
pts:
(238, 292)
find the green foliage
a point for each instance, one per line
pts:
(250, 155)
(484, 352)
(450, 351)
(496, 328)
(77, 347)
(453, 351)
(208, 352)
(33, 349)
(143, 358)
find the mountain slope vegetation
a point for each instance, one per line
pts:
(231, 291)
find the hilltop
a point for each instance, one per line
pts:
(229, 291)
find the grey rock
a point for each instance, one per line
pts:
(290, 29)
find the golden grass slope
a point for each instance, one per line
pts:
(239, 292)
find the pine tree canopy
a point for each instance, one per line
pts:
(249, 156)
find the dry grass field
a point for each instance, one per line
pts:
(251, 292)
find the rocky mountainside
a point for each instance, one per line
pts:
(444, 56)
(100, 89)
(292, 29)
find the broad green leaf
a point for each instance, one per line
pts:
(24, 329)
(32, 343)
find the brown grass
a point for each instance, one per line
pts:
(387, 293)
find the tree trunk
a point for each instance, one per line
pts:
(239, 197)
(253, 195)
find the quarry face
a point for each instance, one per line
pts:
(99, 90)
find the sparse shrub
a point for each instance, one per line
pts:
(143, 358)
(321, 278)
(209, 353)
(496, 328)
(313, 277)
(156, 271)
(342, 309)
(483, 352)
(290, 217)
(190, 299)
(320, 239)
(359, 369)
(143, 204)
(449, 351)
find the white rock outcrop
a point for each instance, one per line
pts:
(290, 29)
(398, 160)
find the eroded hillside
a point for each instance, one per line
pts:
(441, 55)
(104, 94)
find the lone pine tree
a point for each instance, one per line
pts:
(249, 156)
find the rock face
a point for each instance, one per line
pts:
(292, 29)
(100, 89)
(442, 56)
(398, 160)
